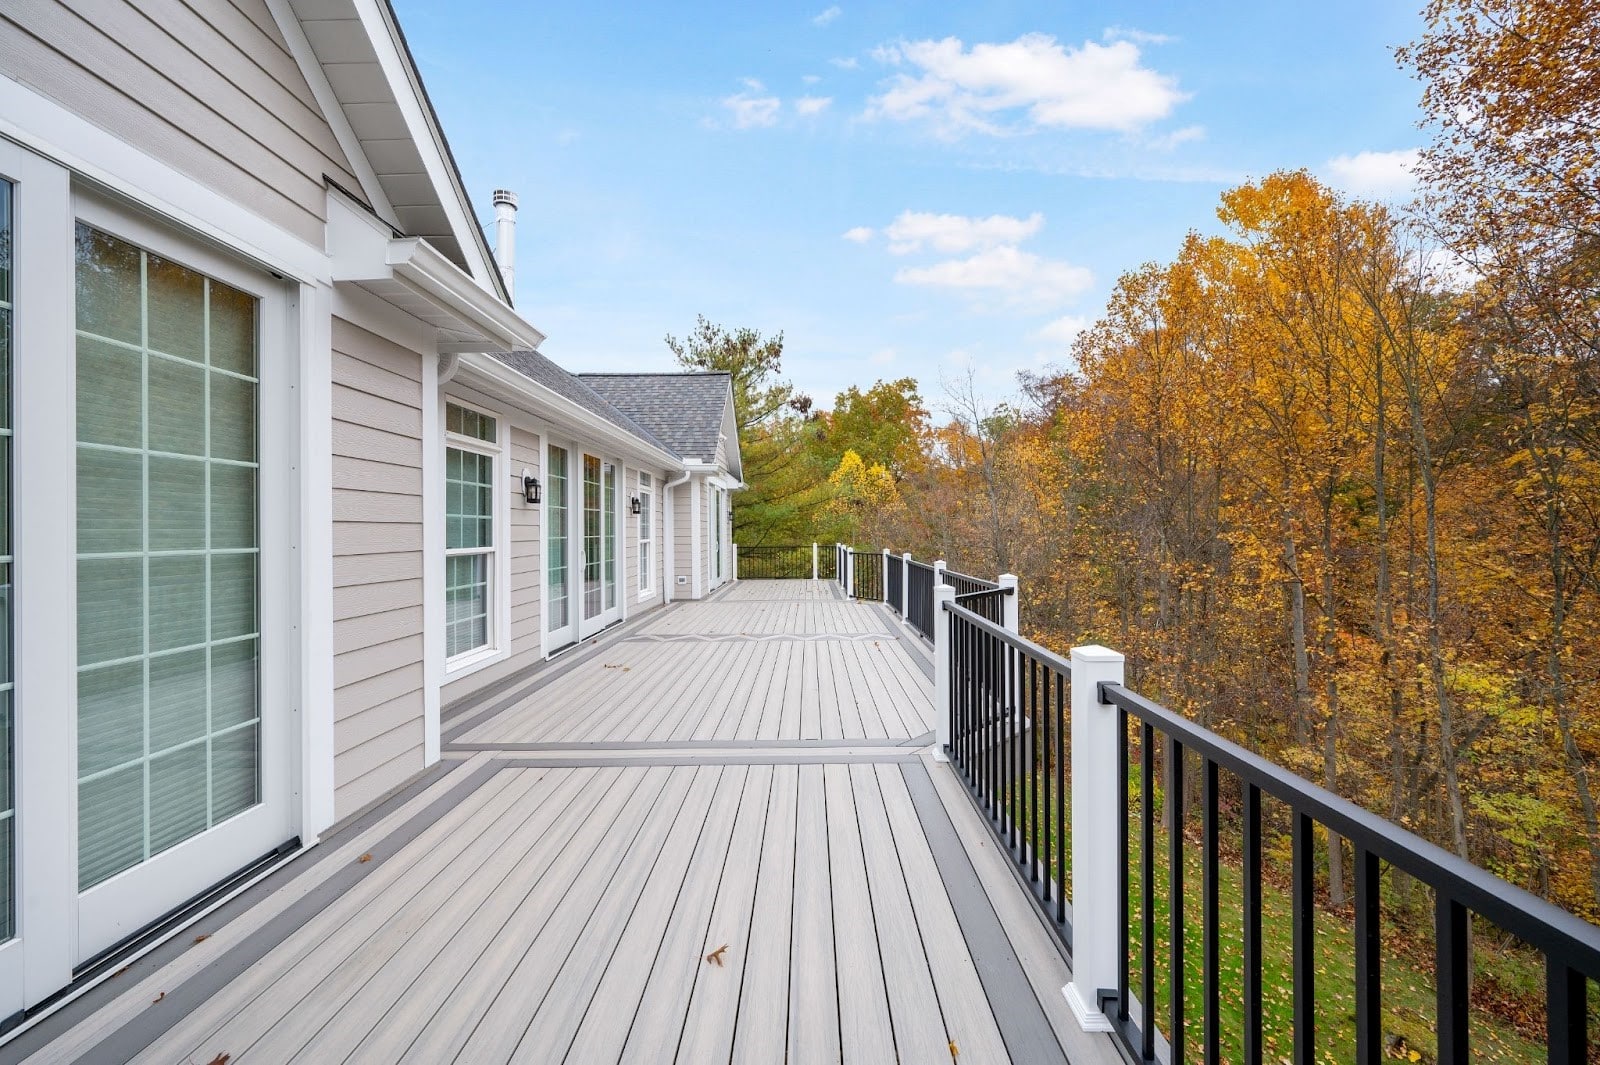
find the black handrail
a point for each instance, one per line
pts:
(775, 562)
(988, 603)
(965, 584)
(1571, 945)
(1008, 736)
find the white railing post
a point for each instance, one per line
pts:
(814, 557)
(850, 572)
(885, 575)
(942, 594)
(938, 572)
(1010, 605)
(735, 561)
(905, 586)
(1095, 856)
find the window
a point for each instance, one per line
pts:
(646, 534)
(168, 553)
(716, 529)
(558, 565)
(469, 462)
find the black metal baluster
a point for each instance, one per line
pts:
(1052, 839)
(1147, 890)
(1013, 746)
(1175, 1036)
(1566, 1014)
(1033, 766)
(1303, 915)
(1209, 927)
(1369, 961)
(1061, 807)
(1122, 865)
(1452, 956)
(1251, 885)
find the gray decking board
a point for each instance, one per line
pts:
(553, 897)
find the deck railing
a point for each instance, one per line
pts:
(1045, 746)
(775, 562)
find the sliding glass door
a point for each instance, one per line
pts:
(601, 604)
(169, 584)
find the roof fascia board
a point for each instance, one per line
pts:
(496, 374)
(399, 68)
(730, 429)
(305, 58)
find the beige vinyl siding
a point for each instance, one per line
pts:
(630, 540)
(377, 566)
(210, 89)
(683, 560)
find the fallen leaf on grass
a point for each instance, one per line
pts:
(715, 957)
(365, 858)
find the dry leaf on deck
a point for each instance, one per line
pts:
(202, 937)
(367, 857)
(158, 998)
(715, 957)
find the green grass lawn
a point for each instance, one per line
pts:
(1508, 990)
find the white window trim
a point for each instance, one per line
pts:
(498, 647)
(646, 545)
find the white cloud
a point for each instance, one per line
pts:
(1382, 174)
(1128, 33)
(858, 234)
(958, 90)
(1166, 142)
(753, 84)
(882, 357)
(914, 230)
(750, 112)
(848, 62)
(825, 17)
(1019, 276)
(810, 79)
(1063, 331)
(812, 105)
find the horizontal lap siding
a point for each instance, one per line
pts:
(210, 89)
(683, 537)
(377, 566)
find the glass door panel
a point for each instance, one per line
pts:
(593, 535)
(168, 589)
(609, 547)
(558, 572)
(7, 799)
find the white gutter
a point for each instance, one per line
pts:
(669, 544)
(421, 266)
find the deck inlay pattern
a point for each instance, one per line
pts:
(553, 892)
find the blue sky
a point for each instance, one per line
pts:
(904, 189)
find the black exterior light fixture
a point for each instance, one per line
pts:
(633, 505)
(530, 487)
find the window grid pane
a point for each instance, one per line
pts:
(168, 581)
(591, 537)
(609, 547)
(646, 533)
(558, 563)
(469, 544)
(464, 422)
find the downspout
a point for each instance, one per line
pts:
(669, 544)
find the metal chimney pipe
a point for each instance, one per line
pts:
(505, 236)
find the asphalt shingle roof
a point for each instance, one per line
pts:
(533, 365)
(684, 409)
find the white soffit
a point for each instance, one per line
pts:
(364, 59)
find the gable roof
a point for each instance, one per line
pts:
(358, 54)
(689, 411)
(536, 367)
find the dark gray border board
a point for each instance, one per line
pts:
(693, 745)
(1023, 1025)
(916, 647)
(178, 1002)
(753, 758)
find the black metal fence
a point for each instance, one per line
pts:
(1008, 703)
(919, 598)
(894, 581)
(828, 563)
(781, 562)
(1571, 946)
(989, 604)
(866, 575)
(965, 585)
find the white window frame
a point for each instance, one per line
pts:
(498, 645)
(647, 544)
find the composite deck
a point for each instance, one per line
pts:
(714, 835)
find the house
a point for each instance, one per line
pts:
(285, 473)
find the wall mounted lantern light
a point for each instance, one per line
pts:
(530, 487)
(634, 505)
